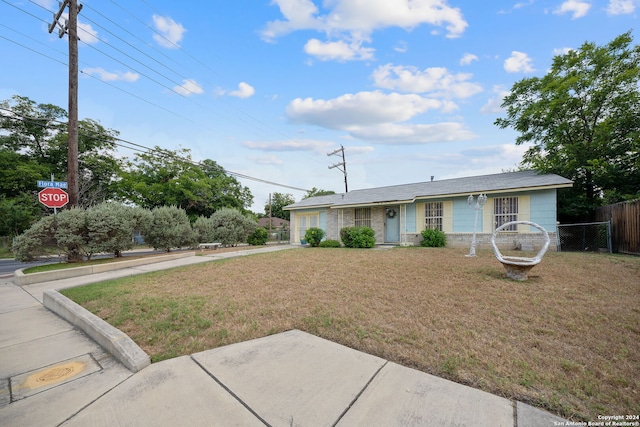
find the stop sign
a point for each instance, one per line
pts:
(53, 197)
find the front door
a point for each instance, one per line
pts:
(392, 224)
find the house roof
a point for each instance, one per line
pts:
(407, 193)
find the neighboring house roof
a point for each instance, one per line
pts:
(275, 222)
(407, 193)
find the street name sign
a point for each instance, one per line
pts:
(52, 184)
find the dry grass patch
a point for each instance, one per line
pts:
(567, 340)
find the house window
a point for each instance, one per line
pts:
(363, 217)
(433, 215)
(306, 221)
(505, 209)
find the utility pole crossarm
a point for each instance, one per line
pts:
(56, 17)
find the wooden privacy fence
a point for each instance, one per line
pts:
(625, 225)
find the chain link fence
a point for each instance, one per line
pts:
(278, 236)
(587, 237)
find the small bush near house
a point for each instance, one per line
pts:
(314, 236)
(258, 237)
(358, 237)
(433, 238)
(330, 244)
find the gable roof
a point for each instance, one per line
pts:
(407, 193)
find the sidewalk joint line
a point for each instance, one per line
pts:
(355, 399)
(228, 390)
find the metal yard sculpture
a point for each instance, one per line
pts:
(518, 267)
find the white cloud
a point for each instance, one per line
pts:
(561, 51)
(361, 109)
(291, 145)
(437, 81)
(245, 90)
(338, 50)
(188, 87)
(86, 33)
(621, 7)
(349, 23)
(518, 62)
(468, 58)
(407, 134)
(170, 32)
(401, 47)
(359, 17)
(111, 76)
(493, 105)
(377, 117)
(523, 4)
(577, 8)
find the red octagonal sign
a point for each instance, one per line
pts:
(53, 197)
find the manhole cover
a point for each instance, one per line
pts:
(54, 374)
(39, 380)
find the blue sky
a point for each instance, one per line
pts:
(267, 88)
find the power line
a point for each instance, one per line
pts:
(258, 127)
(153, 151)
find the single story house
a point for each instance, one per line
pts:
(399, 213)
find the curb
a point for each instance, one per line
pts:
(110, 338)
(67, 273)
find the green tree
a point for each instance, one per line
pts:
(582, 121)
(165, 178)
(33, 146)
(317, 192)
(18, 213)
(98, 168)
(279, 201)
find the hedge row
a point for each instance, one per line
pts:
(109, 228)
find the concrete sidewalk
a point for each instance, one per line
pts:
(53, 374)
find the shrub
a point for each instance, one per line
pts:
(110, 227)
(205, 229)
(168, 228)
(314, 236)
(72, 234)
(231, 227)
(330, 244)
(35, 241)
(258, 237)
(433, 238)
(345, 236)
(358, 237)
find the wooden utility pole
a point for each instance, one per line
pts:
(343, 164)
(71, 29)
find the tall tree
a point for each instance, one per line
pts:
(33, 146)
(582, 119)
(317, 192)
(171, 178)
(279, 201)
